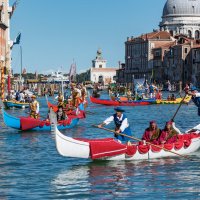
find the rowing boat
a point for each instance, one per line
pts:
(110, 102)
(16, 104)
(125, 102)
(111, 149)
(177, 101)
(28, 123)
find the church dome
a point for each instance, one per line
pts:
(181, 7)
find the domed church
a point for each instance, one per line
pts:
(181, 17)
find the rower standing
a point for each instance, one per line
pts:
(34, 108)
(121, 125)
(60, 98)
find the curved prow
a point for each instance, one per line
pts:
(175, 128)
(53, 120)
(69, 147)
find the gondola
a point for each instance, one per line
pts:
(28, 123)
(123, 102)
(110, 102)
(16, 104)
(111, 149)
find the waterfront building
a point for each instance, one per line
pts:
(196, 65)
(99, 72)
(166, 54)
(177, 61)
(159, 72)
(6, 13)
(139, 56)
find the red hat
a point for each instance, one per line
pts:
(152, 122)
(169, 122)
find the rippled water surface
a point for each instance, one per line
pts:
(31, 168)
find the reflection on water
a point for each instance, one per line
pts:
(124, 179)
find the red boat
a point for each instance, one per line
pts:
(109, 102)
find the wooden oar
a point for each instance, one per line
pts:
(132, 137)
(178, 107)
(88, 112)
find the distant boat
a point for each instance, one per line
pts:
(16, 104)
(58, 77)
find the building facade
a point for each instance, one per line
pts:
(99, 72)
(139, 54)
(166, 54)
(196, 65)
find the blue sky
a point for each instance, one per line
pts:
(56, 32)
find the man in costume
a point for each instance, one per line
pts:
(60, 98)
(195, 97)
(152, 133)
(34, 108)
(121, 125)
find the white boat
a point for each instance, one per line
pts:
(70, 147)
(58, 77)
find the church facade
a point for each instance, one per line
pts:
(99, 72)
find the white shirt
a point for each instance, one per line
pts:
(197, 94)
(124, 124)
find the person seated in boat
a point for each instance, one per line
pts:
(129, 95)
(159, 95)
(116, 95)
(34, 108)
(121, 125)
(17, 97)
(168, 135)
(60, 98)
(60, 114)
(169, 98)
(173, 98)
(152, 133)
(21, 97)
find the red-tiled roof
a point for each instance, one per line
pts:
(156, 35)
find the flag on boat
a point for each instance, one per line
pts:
(72, 72)
(139, 84)
(14, 6)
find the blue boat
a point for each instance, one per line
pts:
(27, 123)
(16, 104)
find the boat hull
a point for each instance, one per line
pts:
(70, 147)
(177, 101)
(9, 104)
(108, 102)
(15, 122)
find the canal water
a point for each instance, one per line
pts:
(31, 168)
